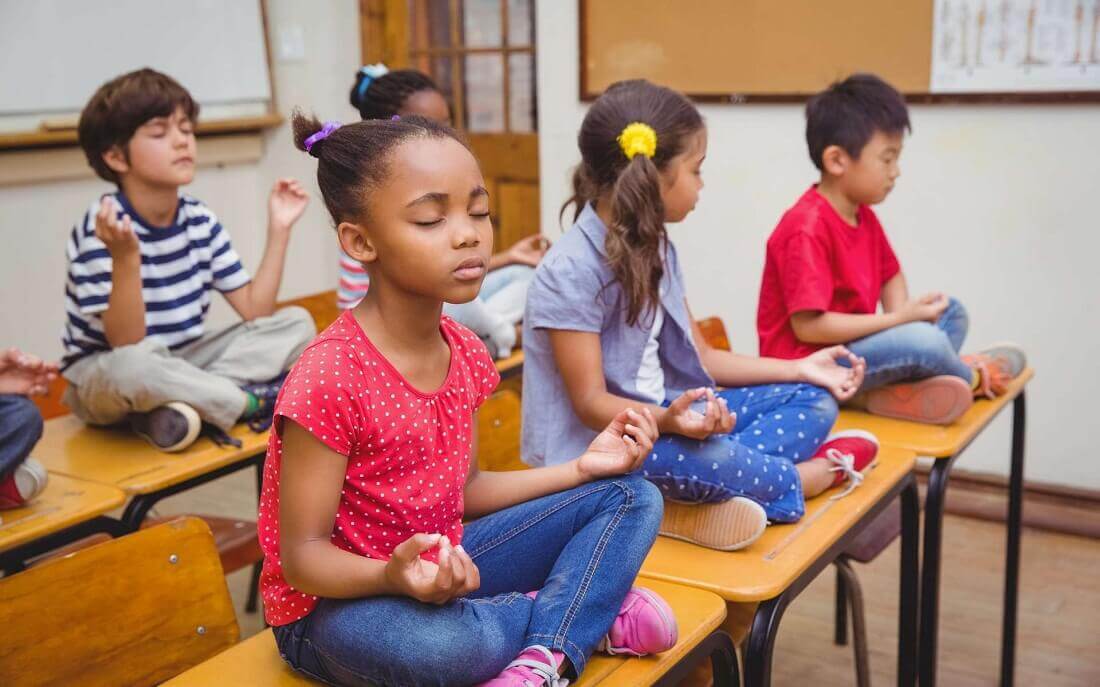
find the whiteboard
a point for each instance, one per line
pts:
(54, 54)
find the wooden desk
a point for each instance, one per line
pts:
(67, 510)
(127, 462)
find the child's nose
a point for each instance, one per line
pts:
(466, 234)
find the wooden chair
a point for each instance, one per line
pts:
(322, 306)
(255, 662)
(499, 433)
(135, 610)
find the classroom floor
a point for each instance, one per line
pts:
(1059, 636)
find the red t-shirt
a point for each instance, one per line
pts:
(817, 261)
(408, 451)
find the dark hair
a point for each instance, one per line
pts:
(636, 240)
(849, 112)
(354, 159)
(384, 96)
(122, 105)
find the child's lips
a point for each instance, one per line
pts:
(470, 269)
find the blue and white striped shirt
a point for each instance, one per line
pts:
(179, 266)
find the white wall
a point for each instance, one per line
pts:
(997, 206)
(35, 220)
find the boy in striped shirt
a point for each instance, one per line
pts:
(141, 265)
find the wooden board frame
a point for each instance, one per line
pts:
(44, 138)
(588, 94)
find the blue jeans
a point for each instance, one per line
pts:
(778, 425)
(916, 350)
(20, 430)
(581, 548)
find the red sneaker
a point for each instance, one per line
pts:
(26, 481)
(850, 452)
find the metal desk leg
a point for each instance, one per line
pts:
(930, 568)
(909, 589)
(723, 661)
(1012, 546)
(761, 641)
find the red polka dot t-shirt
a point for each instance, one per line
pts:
(408, 451)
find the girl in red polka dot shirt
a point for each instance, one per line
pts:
(370, 574)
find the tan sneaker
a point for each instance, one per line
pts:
(997, 366)
(938, 400)
(726, 526)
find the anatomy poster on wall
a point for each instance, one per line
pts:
(1015, 45)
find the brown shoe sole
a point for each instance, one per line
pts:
(726, 526)
(937, 400)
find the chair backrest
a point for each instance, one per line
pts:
(714, 333)
(322, 306)
(498, 423)
(51, 405)
(132, 611)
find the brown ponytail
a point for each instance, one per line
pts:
(636, 240)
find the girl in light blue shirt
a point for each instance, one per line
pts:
(608, 325)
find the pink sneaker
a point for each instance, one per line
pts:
(26, 481)
(645, 625)
(536, 666)
(850, 452)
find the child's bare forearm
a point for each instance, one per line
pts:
(265, 284)
(733, 369)
(320, 568)
(124, 318)
(489, 492)
(599, 407)
(828, 328)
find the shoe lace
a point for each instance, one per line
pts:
(218, 436)
(844, 463)
(261, 423)
(547, 669)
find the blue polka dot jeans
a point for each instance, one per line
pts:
(778, 426)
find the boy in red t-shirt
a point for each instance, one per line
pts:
(829, 265)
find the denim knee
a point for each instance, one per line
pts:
(956, 311)
(22, 417)
(925, 341)
(647, 505)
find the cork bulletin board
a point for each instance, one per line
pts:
(783, 50)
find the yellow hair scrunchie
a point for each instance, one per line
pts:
(638, 137)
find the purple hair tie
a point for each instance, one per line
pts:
(321, 135)
(395, 118)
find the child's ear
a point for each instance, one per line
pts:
(835, 160)
(115, 158)
(356, 242)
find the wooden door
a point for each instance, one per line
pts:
(482, 55)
